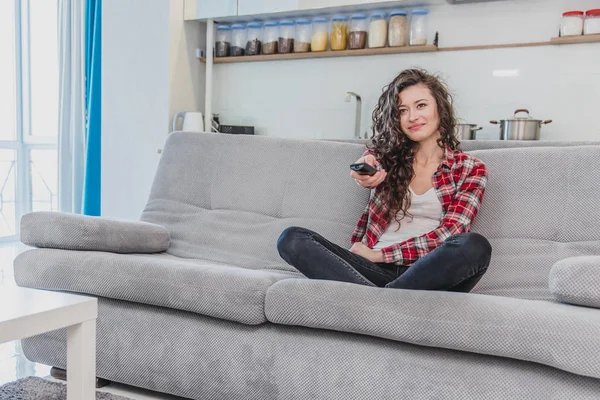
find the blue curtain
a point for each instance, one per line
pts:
(93, 73)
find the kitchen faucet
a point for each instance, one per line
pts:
(349, 95)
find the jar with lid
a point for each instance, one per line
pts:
(303, 35)
(571, 23)
(223, 41)
(238, 39)
(286, 36)
(398, 29)
(357, 38)
(418, 27)
(339, 33)
(254, 39)
(269, 45)
(378, 30)
(592, 22)
(320, 34)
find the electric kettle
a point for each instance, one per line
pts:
(191, 121)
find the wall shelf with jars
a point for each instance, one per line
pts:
(565, 40)
(372, 33)
(362, 34)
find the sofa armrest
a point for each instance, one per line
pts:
(576, 280)
(81, 232)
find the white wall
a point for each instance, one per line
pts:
(135, 100)
(187, 73)
(149, 72)
(305, 98)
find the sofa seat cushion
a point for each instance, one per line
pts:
(560, 335)
(576, 280)
(204, 287)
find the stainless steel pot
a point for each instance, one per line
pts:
(522, 128)
(466, 131)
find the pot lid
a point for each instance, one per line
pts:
(522, 114)
(523, 118)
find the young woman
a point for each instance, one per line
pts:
(414, 233)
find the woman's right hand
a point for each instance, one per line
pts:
(366, 181)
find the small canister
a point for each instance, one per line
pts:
(254, 39)
(377, 30)
(303, 35)
(592, 22)
(398, 29)
(357, 38)
(320, 34)
(339, 32)
(418, 27)
(238, 39)
(269, 45)
(223, 41)
(571, 23)
(286, 36)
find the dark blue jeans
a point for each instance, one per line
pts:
(456, 265)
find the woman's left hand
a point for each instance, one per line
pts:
(366, 252)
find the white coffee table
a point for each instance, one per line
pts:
(29, 312)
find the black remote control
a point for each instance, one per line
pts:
(363, 168)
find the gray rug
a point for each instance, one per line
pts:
(33, 388)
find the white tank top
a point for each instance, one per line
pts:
(426, 211)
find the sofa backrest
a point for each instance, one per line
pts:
(545, 193)
(227, 198)
(541, 205)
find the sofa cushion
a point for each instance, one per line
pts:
(541, 193)
(560, 335)
(576, 280)
(204, 287)
(235, 194)
(82, 232)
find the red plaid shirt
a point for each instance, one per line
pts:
(459, 183)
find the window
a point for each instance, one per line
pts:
(28, 110)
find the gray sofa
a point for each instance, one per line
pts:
(195, 301)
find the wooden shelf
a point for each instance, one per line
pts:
(404, 50)
(576, 39)
(326, 54)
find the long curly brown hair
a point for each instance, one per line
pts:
(393, 148)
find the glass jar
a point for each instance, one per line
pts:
(377, 30)
(571, 23)
(254, 39)
(286, 36)
(238, 40)
(357, 38)
(398, 29)
(592, 22)
(339, 33)
(222, 41)
(418, 27)
(303, 36)
(269, 45)
(320, 34)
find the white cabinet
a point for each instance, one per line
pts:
(254, 7)
(202, 9)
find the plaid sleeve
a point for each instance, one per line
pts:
(458, 218)
(361, 226)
